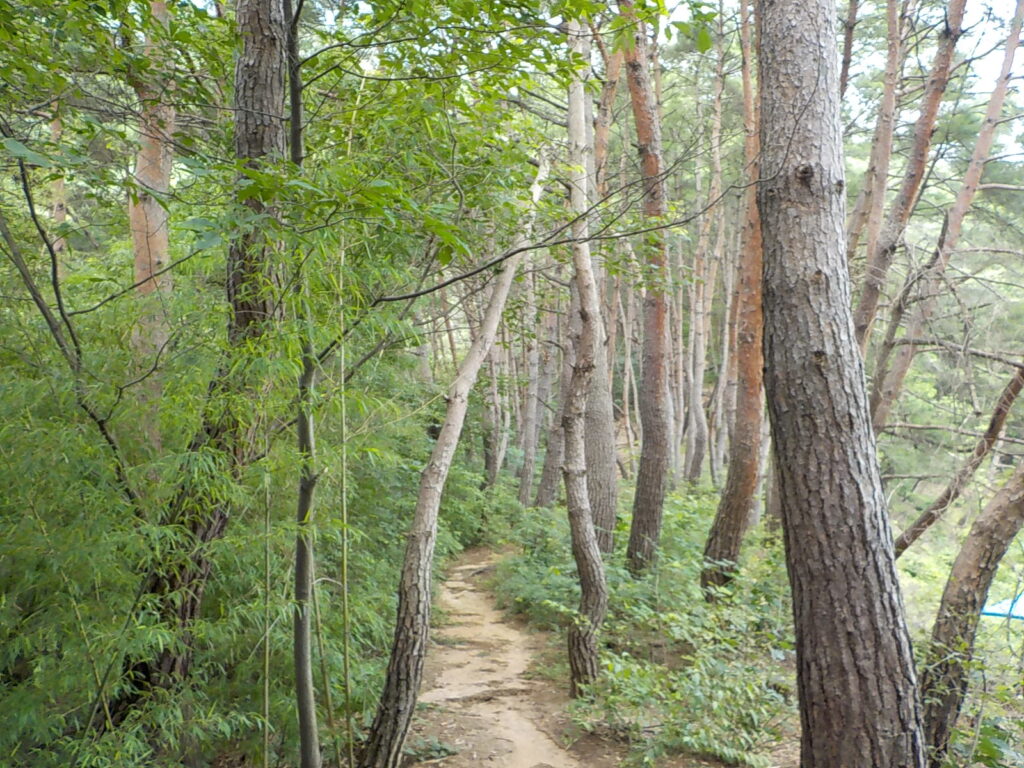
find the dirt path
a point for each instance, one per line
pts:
(482, 703)
(478, 698)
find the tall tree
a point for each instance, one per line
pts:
(855, 671)
(652, 474)
(178, 584)
(889, 378)
(147, 206)
(302, 613)
(734, 513)
(383, 747)
(583, 649)
(879, 259)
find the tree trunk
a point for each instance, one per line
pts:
(877, 175)
(944, 681)
(966, 472)
(649, 499)
(493, 426)
(305, 423)
(530, 407)
(855, 671)
(58, 191)
(734, 514)
(547, 488)
(583, 650)
(889, 380)
(383, 747)
(848, 26)
(149, 220)
(703, 285)
(178, 586)
(880, 258)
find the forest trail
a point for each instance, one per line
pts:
(480, 698)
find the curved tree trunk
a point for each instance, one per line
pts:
(963, 475)
(944, 682)
(734, 513)
(652, 475)
(583, 650)
(877, 175)
(889, 380)
(383, 747)
(880, 258)
(855, 669)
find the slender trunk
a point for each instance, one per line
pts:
(496, 419)
(148, 218)
(302, 624)
(58, 191)
(877, 175)
(305, 693)
(848, 26)
(944, 682)
(879, 259)
(529, 425)
(602, 472)
(547, 487)
(383, 746)
(963, 475)
(583, 649)
(855, 670)
(889, 382)
(734, 515)
(704, 279)
(649, 499)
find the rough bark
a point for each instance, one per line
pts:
(383, 746)
(879, 259)
(734, 514)
(855, 670)
(889, 379)
(649, 498)
(944, 682)
(583, 649)
(963, 475)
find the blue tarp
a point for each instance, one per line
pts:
(1006, 609)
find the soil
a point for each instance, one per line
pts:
(483, 702)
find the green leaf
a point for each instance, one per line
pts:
(20, 151)
(704, 41)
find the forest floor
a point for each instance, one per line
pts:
(485, 700)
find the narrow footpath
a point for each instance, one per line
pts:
(483, 702)
(479, 699)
